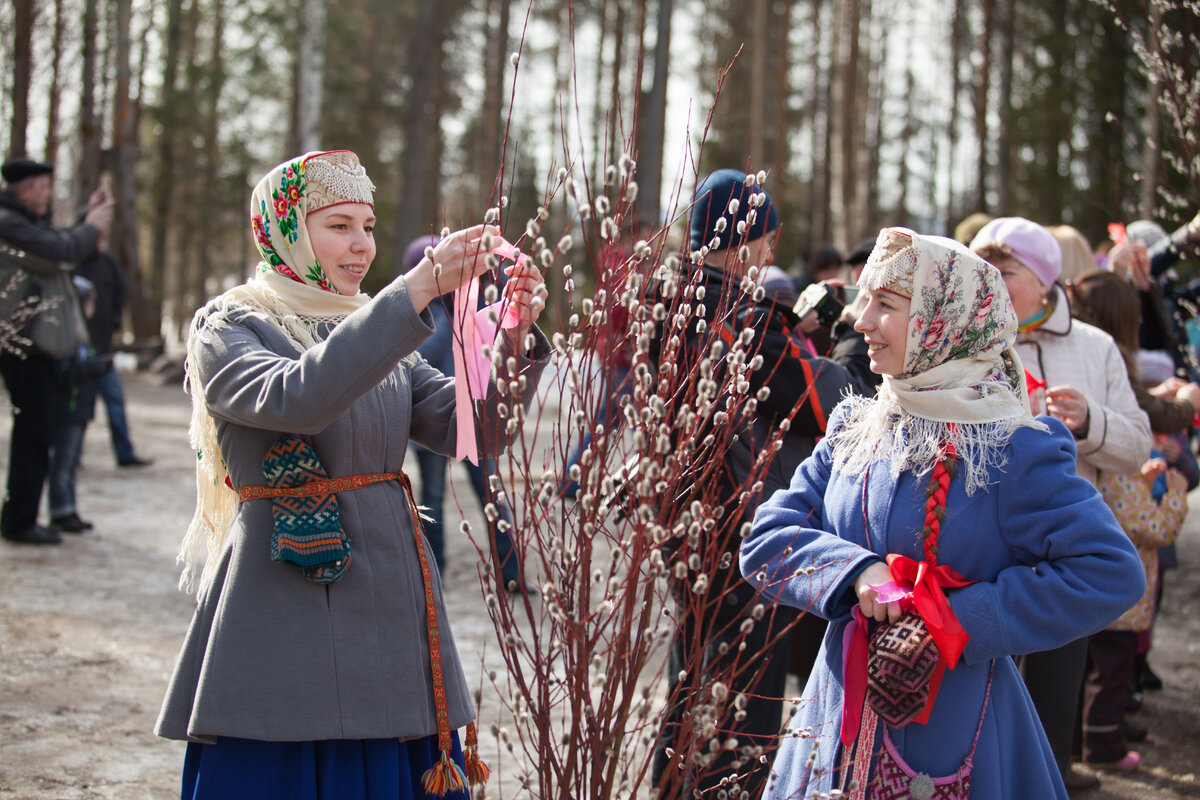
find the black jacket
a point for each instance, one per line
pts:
(23, 229)
(109, 296)
(794, 379)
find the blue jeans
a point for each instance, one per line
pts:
(64, 463)
(113, 394)
(433, 494)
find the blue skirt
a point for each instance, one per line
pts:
(345, 769)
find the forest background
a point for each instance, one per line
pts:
(864, 113)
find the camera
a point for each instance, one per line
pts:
(819, 297)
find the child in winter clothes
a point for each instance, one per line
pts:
(1111, 653)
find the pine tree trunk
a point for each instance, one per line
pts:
(757, 100)
(24, 16)
(957, 46)
(310, 77)
(981, 106)
(418, 123)
(54, 100)
(782, 92)
(210, 110)
(489, 166)
(822, 126)
(87, 172)
(164, 178)
(124, 146)
(1148, 188)
(845, 135)
(1004, 154)
(652, 124)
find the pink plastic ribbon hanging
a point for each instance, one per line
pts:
(477, 329)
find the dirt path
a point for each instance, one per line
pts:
(89, 632)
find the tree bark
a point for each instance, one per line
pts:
(759, 38)
(310, 75)
(846, 133)
(24, 17)
(164, 179)
(55, 100)
(124, 145)
(417, 123)
(210, 110)
(87, 173)
(1148, 189)
(652, 124)
(1004, 150)
(493, 104)
(981, 106)
(957, 48)
(782, 90)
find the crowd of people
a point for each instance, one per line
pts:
(962, 532)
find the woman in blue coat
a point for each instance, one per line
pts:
(941, 504)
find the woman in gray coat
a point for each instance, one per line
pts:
(319, 662)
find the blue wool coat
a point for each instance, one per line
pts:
(1050, 565)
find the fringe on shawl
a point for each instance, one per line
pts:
(216, 502)
(880, 428)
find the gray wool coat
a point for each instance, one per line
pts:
(269, 655)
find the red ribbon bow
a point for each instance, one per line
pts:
(927, 583)
(1032, 384)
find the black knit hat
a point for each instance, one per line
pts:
(711, 203)
(16, 170)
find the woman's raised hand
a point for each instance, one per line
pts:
(456, 259)
(527, 294)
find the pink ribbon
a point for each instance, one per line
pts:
(476, 330)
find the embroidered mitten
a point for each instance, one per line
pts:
(308, 529)
(900, 661)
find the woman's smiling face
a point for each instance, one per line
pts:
(343, 240)
(884, 324)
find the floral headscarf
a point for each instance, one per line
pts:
(963, 381)
(284, 198)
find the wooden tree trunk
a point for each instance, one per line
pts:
(1004, 154)
(846, 132)
(957, 46)
(124, 145)
(782, 90)
(212, 152)
(981, 106)
(858, 219)
(310, 76)
(489, 164)
(170, 119)
(878, 93)
(822, 125)
(24, 16)
(417, 123)
(652, 124)
(758, 46)
(54, 100)
(613, 137)
(1148, 188)
(87, 172)
(901, 214)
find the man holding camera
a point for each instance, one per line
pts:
(24, 207)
